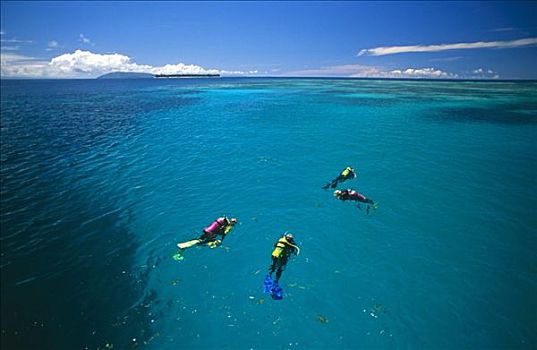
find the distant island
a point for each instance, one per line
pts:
(131, 75)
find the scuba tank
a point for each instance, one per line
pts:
(279, 247)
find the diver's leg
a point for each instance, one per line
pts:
(279, 273)
(273, 266)
(280, 270)
(281, 267)
(278, 266)
(338, 180)
(203, 239)
(334, 182)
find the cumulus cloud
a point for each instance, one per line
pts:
(91, 63)
(421, 73)
(86, 64)
(391, 50)
(482, 73)
(181, 68)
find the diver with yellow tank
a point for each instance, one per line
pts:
(347, 174)
(283, 249)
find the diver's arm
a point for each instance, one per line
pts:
(225, 230)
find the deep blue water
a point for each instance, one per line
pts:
(100, 180)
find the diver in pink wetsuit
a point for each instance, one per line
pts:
(219, 227)
(352, 195)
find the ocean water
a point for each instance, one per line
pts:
(101, 179)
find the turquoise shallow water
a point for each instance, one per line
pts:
(100, 180)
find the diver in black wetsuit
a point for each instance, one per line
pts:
(347, 174)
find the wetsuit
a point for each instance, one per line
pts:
(346, 174)
(352, 195)
(280, 255)
(211, 232)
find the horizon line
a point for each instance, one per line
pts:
(291, 77)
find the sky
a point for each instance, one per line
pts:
(450, 40)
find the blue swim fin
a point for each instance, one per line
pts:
(267, 284)
(276, 292)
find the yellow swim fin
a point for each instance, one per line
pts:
(214, 244)
(188, 244)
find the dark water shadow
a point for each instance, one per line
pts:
(506, 115)
(78, 290)
(367, 102)
(65, 284)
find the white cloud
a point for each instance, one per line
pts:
(482, 73)
(15, 65)
(345, 70)
(237, 72)
(86, 64)
(365, 71)
(504, 29)
(17, 41)
(12, 44)
(85, 40)
(13, 57)
(391, 50)
(421, 73)
(445, 59)
(181, 68)
(9, 48)
(53, 44)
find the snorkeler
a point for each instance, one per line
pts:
(281, 253)
(220, 227)
(347, 174)
(352, 195)
(280, 256)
